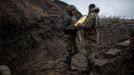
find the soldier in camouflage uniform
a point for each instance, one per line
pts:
(70, 38)
(91, 36)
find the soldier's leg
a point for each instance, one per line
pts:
(71, 51)
(90, 59)
(75, 47)
(93, 70)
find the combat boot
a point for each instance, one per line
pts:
(72, 68)
(91, 69)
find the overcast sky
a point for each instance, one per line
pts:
(108, 7)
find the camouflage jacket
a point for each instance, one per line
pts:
(91, 27)
(68, 24)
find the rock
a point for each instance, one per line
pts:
(4, 70)
(125, 43)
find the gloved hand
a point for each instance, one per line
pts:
(79, 26)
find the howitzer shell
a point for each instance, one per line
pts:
(80, 21)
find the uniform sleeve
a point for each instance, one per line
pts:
(67, 23)
(88, 22)
(100, 24)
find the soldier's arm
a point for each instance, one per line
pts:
(101, 26)
(88, 22)
(67, 24)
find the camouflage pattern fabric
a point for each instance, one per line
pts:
(91, 35)
(70, 38)
(71, 47)
(68, 25)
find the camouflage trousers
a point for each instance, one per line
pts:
(90, 48)
(71, 47)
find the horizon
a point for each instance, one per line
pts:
(120, 8)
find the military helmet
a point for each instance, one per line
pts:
(96, 9)
(71, 8)
(91, 6)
